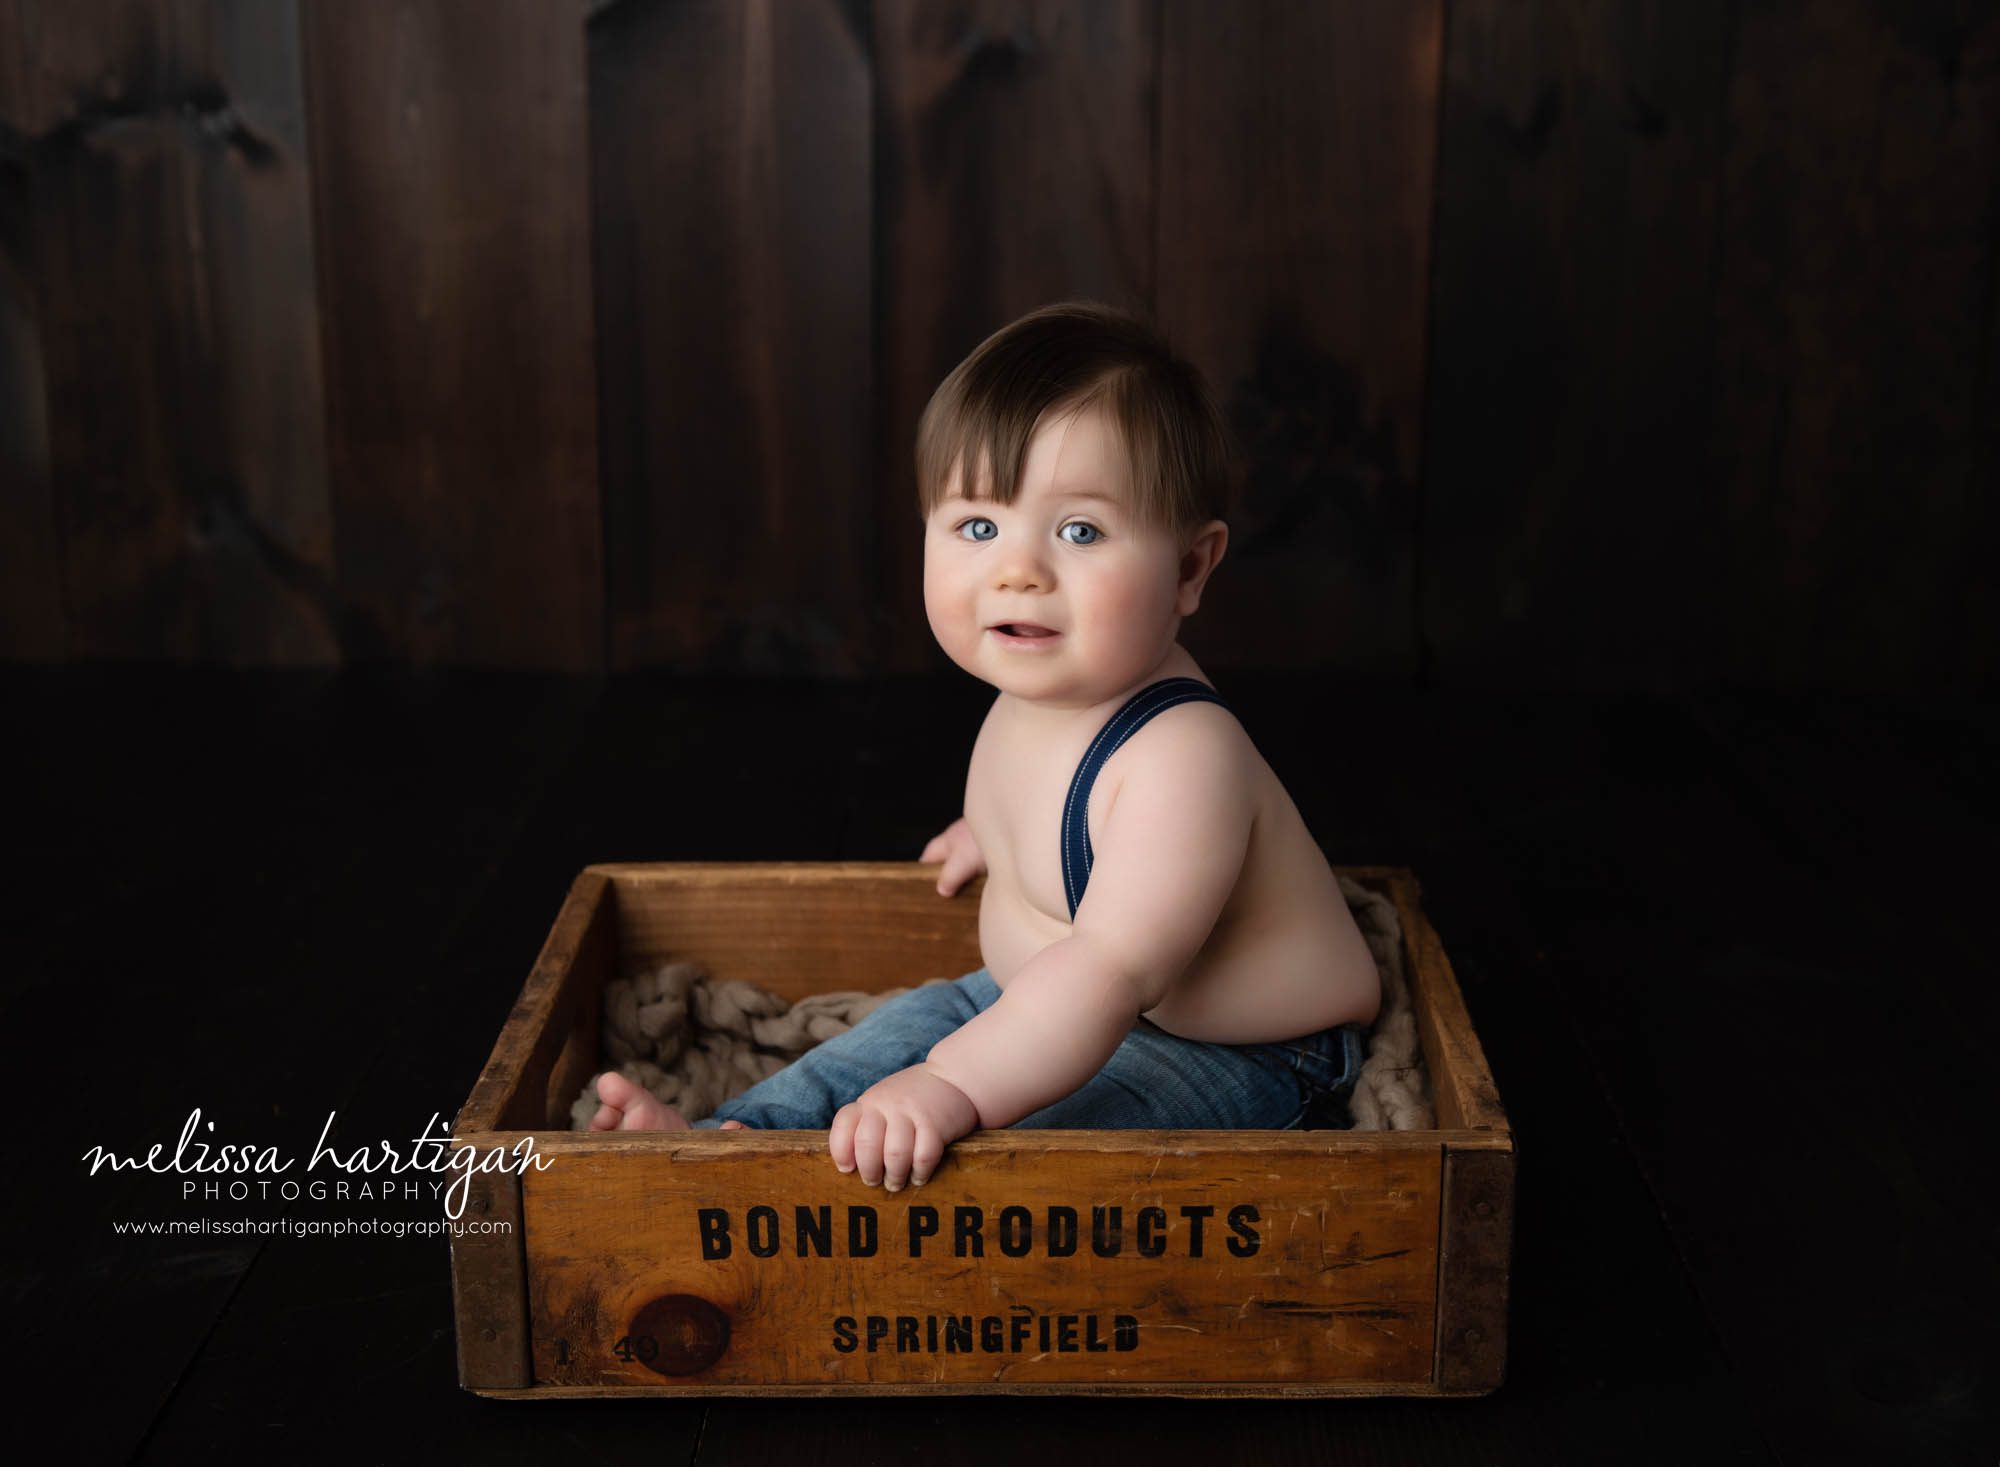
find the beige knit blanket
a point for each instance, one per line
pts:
(695, 1042)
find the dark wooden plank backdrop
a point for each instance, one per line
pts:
(730, 158)
(1297, 169)
(1015, 148)
(1570, 517)
(1633, 343)
(161, 198)
(451, 183)
(1854, 298)
(31, 613)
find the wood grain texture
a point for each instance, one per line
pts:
(731, 163)
(451, 190)
(1571, 518)
(798, 928)
(564, 989)
(1014, 168)
(1858, 241)
(1297, 155)
(1315, 1263)
(1475, 1260)
(489, 1287)
(1462, 1089)
(31, 611)
(167, 218)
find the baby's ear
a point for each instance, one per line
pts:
(1203, 554)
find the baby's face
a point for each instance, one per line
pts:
(1068, 557)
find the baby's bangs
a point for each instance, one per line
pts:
(1133, 413)
(983, 451)
(986, 440)
(1060, 360)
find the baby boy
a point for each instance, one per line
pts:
(1164, 943)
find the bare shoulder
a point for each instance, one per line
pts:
(1190, 744)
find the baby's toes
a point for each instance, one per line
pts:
(614, 1092)
(630, 1107)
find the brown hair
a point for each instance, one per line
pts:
(1061, 358)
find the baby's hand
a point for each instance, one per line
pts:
(960, 854)
(898, 1128)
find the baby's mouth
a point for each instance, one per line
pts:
(1022, 629)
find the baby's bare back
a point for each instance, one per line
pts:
(1283, 959)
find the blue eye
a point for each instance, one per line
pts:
(991, 529)
(1091, 533)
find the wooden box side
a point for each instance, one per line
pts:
(545, 1052)
(1093, 1262)
(1475, 1260)
(797, 928)
(489, 1286)
(548, 1047)
(1462, 1088)
(1476, 1220)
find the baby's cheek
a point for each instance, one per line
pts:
(936, 602)
(950, 618)
(1134, 611)
(943, 622)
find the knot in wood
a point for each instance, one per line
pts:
(679, 1334)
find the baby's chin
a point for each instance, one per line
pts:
(1048, 688)
(1020, 682)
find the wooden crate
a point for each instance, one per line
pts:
(1247, 1263)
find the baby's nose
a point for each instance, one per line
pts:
(1020, 572)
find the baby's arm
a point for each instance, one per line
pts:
(1171, 849)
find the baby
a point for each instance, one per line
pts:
(1164, 942)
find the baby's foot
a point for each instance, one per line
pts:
(628, 1107)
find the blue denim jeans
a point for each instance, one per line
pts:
(1155, 1080)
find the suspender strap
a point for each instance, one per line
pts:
(1138, 710)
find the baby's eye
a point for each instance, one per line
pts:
(981, 528)
(1090, 536)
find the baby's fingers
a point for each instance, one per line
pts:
(937, 850)
(925, 1154)
(868, 1147)
(959, 868)
(898, 1144)
(840, 1136)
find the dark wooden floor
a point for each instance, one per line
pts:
(1727, 956)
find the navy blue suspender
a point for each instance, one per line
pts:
(1138, 709)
